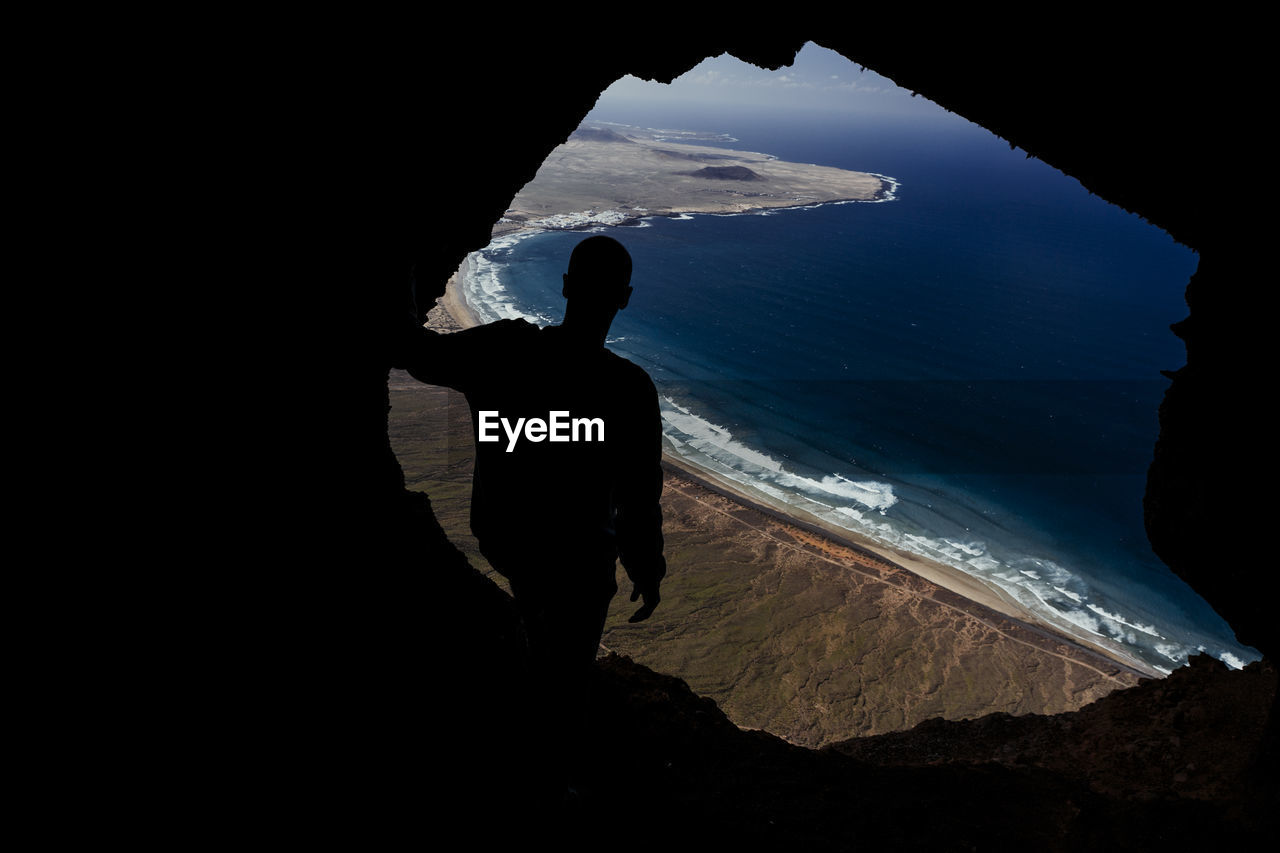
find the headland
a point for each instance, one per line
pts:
(617, 175)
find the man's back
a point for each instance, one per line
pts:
(564, 439)
(568, 443)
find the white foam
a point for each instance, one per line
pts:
(1231, 660)
(1082, 620)
(751, 467)
(878, 496)
(482, 287)
(982, 565)
(1069, 594)
(891, 194)
(715, 440)
(973, 549)
(1114, 617)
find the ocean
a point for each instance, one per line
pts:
(969, 370)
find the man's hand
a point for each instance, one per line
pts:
(649, 590)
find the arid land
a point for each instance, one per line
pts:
(611, 175)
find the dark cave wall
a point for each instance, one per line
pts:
(435, 135)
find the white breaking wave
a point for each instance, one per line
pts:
(973, 549)
(1231, 660)
(877, 496)
(714, 440)
(760, 471)
(1069, 594)
(1083, 620)
(482, 287)
(1146, 629)
(1226, 657)
(891, 194)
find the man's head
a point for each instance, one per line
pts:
(599, 276)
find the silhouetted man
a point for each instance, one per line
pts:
(568, 444)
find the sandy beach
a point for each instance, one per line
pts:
(454, 303)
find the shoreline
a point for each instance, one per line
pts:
(938, 575)
(953, 580)
(454, 302)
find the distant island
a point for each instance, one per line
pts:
(617, 175)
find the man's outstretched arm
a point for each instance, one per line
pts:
(455, 359)
(425, 355)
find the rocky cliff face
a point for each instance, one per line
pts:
(1149, 768)
(1164, 740)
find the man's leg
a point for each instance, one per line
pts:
(564, 622)
(564, 617)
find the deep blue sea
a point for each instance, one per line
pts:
(970, 371)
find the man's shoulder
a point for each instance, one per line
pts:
(498, 334)
(623, 365)
(630, 373)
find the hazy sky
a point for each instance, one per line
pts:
(819, 79)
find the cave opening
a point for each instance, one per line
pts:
(765, 401)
